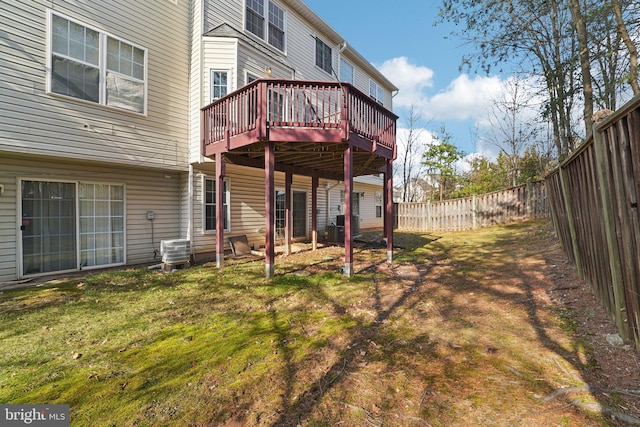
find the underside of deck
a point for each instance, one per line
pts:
(324, 130)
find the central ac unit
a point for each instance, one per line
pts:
(175, 251)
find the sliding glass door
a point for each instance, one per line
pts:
(48, 226)
(68, 226)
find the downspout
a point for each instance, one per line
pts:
(190, 206)
(327, 190)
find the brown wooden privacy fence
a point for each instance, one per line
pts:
(501, 207)
(594, 204)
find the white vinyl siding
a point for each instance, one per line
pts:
(91, 65)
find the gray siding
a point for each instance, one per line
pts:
(146, 189)
(48, 124)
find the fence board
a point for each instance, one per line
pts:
(600, 198)
(501, 207)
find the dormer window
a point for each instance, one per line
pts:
(259, 12)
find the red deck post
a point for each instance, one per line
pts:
(348, 190)
(388, 209)
(269, 196)
(314, 212)
(288, 179)
(220, 172)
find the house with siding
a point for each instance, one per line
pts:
(111, 118)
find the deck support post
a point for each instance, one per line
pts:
(269, 196)
(288, 217)
(348, 194)
(388, 208)
(314, 212)
(220, 173)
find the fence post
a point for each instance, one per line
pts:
(528, 200)
(474, 211)
(571, 222)
(608, 217)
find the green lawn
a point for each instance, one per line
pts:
(444, 336)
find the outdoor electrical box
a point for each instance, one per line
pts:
(151, 215)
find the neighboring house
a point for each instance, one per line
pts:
(101, 145)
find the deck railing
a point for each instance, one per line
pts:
(296, 104)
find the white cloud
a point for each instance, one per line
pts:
(411, 80)
(463, 99)
(462, 105)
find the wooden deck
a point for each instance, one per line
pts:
(309, 123)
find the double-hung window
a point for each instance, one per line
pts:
(93, 66)
(219, 84)
(266, 20)
(376, 92)
(210, 205)
(323, 56)
(346, 71)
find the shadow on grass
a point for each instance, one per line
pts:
(234, 325)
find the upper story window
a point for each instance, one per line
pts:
(250, 78)
(346, 71)
(93, 66)
(257, 12)
(376, 92)
(323, 56)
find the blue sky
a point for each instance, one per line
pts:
(400, 39)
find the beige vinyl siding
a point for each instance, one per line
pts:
(45, 124)
(247, 204)
(145, 190)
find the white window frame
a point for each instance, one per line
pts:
(250, 77)
(307, 209)
(346, 64)
(78, 228)
(315, 58)
(211, 80)
(378, 204)
(102, 65)
(266, 19)
(376, 92)
(227, 201)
